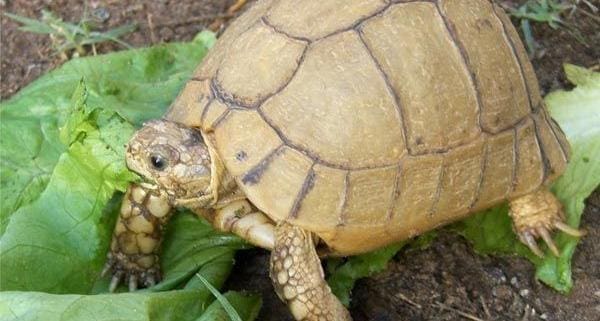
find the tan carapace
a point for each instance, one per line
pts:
(346, 125)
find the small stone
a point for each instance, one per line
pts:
(544, 316)
(101, 14)
(524, 293)
(514, 281)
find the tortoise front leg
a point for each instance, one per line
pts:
(255, 227)
(536, 215)
(137, 237)
(298, 277)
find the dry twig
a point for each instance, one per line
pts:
(461, 313)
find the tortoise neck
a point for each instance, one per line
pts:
(221, 182)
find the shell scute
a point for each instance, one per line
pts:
(246, 153)
(317, 111)
(251, 50)
(332, 16)
(433, 122)
(504, 98)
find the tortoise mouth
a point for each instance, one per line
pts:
(149, 184)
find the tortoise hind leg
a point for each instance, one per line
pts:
(298, 277)
(535, 215)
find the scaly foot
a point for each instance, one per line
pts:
(134, 249)
(298, 277)
(535, 215)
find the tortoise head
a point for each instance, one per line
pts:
(172, 157)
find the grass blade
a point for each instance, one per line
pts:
(233, 315)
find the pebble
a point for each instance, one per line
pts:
(514, 281)
(544, 316)
(101, 14)
(524, 293)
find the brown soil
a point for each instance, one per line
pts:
(437, 283)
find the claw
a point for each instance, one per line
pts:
(569, 230)
(133, 283)
(543, 232)
(150, 281)
(114, 282)
(106, 269)
(529, 240)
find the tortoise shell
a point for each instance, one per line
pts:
(368, 122)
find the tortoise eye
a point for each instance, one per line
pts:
(158, 162)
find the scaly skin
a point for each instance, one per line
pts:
(535, 215)
(135, 246)
(298, 277)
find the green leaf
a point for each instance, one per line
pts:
(247, 307)
(227, 307)
(138, 84)
(29, 150)
(58, 226)
(191, 243)
(29, 137)
(344, 276)
(65, 231)
(578, 113)
(173, 305)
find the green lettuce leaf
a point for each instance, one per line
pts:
(247, 307)
(62, 182)
(34, 306)
(343, 276)
(138, 84)
(181, 305)
(578, 113)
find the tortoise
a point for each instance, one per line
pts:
(318, 128)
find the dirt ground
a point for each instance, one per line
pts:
(440, 283)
